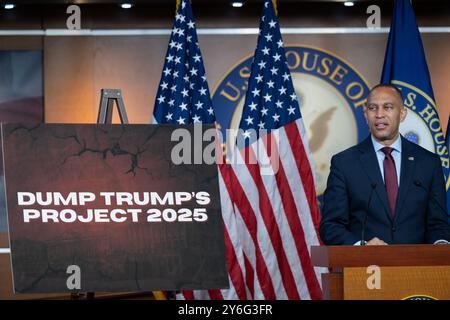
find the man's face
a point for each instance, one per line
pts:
(384, 112)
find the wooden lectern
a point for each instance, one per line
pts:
(405, 271)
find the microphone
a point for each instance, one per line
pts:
(373, 185)
(418, 183)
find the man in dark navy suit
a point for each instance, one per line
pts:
(395, 187)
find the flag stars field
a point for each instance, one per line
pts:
(183, 80)
(271, 88)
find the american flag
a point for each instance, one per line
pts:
(270, 216)
(276, 214)
(183, 98)
(183, 94)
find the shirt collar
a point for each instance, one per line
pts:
(397, 145)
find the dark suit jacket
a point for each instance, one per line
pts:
(420, 215)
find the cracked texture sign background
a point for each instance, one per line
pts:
(112, 256)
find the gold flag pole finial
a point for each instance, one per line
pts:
(275, 6)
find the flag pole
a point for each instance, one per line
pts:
(275, 6)
(178, 5)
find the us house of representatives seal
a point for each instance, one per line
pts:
(331, 94)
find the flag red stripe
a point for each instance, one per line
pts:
(273, 230)
(304, 168)
(249, 277)
(215, 295)
(234, 269)
(188, 295)
(290, 210)
(249, 219)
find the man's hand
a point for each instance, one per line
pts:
(376, 242)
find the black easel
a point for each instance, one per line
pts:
(105, 111)
(105, 114)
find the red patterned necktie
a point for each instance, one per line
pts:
(390, 178)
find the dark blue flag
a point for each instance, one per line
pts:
(405, 66)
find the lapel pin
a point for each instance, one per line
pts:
(411, 158)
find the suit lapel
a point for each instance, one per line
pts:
(406, 174)
(370, 165)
